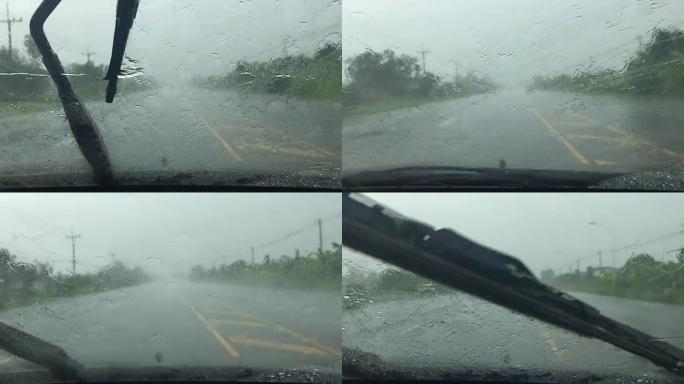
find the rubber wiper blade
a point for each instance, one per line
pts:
(126, 10)
(455, 261)
(38, 351)
(461, 177)
(82, 125)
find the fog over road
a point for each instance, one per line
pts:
(188, 324)
(535, 130)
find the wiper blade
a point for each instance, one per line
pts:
(38, 351)
(126, 10)
(453, 260)
(82, 125)
(461, 177)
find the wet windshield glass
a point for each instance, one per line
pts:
(596, 248)
(552, 85)
(249, 87)
(166, 281)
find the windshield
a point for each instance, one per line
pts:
(141, 282)
(224, 88)
(530, 85)
(622, 254)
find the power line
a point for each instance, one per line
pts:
(632, 246)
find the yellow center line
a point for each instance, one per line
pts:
(305, 349)
(220, 139)
(232, 352)
(571, 148)
(550, 340)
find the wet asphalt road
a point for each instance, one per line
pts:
(188, 324)
(462, 332)
(184, 130)
(539, 130)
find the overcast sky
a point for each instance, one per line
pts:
(177, 39)
(164, 233)
(551, 230)
(509, 40)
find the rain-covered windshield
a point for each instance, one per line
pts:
(545, 85)
(175, 281)
(220, 87)
(622, 254)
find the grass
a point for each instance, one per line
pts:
(18, 108)
(390, 105)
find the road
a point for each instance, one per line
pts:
(182, 129)
(188, 324)
(462, 332)
(538, 130)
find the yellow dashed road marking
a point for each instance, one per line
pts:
(270, 147)
(593, 137)
(305, 349)
(283, 329)
(632, 137)
(574, 124)
(304, 143)
(571, 148)
(232, 352)
(238, 323)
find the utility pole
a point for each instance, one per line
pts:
(9, 29)
(73, 250)
(88, 54)
(600, 260)
(320, 236)
(578, 266)
(423, 52)
(252, 255)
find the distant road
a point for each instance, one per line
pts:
(185, 130)
(193, 324)
(462, 332)
(539, 130)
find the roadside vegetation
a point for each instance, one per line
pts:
(314, 77)
(641, 278)
(384, 81)
(656, 68)
(25, 86)
(318, 270)
(361, 287)
(24, 283)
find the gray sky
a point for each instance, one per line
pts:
(164, 233)
(551, 230)
(509, 40)
(178, 38)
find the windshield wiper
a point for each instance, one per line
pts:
(453, 260)
(126, 10)
(461, 177)
(82, 125)
(38, 351)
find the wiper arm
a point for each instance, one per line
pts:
(453, 260)
(126, 10)
(38, 351)
(82, 125)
